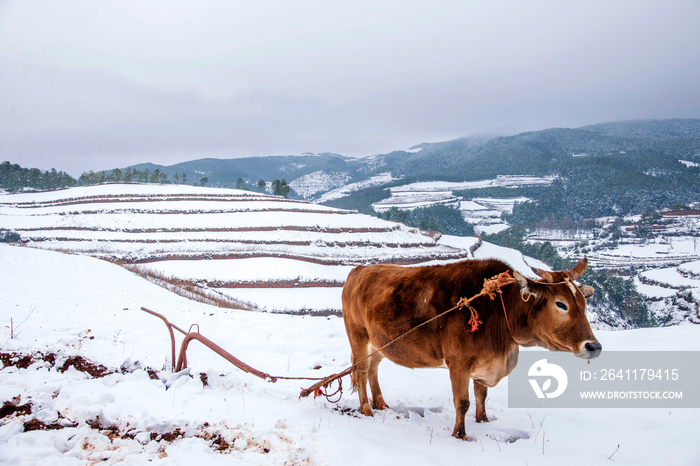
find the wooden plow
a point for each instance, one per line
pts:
(190, 335)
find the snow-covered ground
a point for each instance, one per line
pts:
(262, 269)
(410, 200)
(73, 305)
(343, 191)
(318, 182)
(500, 181)
(484, 212)
(490, 229)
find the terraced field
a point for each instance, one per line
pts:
(673, 291)
(216, 238)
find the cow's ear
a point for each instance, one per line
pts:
(579, 268)
(525, 288)
(586, 290)
(544, 274)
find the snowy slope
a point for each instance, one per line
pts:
(674, 292)
(144, 223)
(343, 191)
(318, 182)
(217, 238)
(75, 305)
(484, 213)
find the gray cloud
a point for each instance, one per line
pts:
(87, 85)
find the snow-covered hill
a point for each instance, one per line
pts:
(674, 292)
(65, 306)
(484, 212)
(219, 238)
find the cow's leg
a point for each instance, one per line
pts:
(377, 398)
(360, 351)
(480, 392)
(460, 393)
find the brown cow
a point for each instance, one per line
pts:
(381, 302)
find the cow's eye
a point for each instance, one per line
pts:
(562, 306)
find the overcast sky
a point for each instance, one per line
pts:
(95, 85)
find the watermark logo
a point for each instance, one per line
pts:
(541, 369)
(616, 379)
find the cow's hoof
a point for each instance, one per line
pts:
(460, 434)
(379, 403)
(366, 410)
(482, 418)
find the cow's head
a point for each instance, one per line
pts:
(556, 309)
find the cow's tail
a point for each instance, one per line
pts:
(353, 380)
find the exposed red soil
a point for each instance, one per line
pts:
(83, 365)
(340, 244)
(23, 361)
(12, 407)
(313, 260)
(275, 284)
(36, 424)
(151, 197)
(168, 436)
(221, 230)
(192, 212)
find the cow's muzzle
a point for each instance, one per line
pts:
(591, 350)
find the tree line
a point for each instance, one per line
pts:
(14, 178)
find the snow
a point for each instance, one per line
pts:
(118, 189)
(320, 181)
(653, 291)
(481, 212)
(290, 299)
(678, 249)
(501, 181)
(413, 200)
(490, 229)
(471, 206)
(692, 268)
(343, 191)
(500, 204)
(251, 270)
(689, 164)
(671, 277)
(76, 305)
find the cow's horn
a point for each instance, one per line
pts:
(523, 282)
(587, 291)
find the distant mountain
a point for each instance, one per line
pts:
(225, 172)
(545, 152)
(650, 129)
(605, 169)
(602, 170)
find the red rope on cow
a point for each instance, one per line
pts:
(492, 286)
(474, 321)
(506, 314)
(506, 274)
